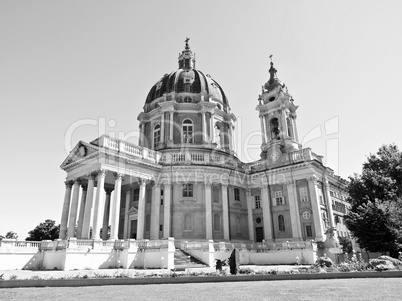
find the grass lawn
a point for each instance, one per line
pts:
(335, 289)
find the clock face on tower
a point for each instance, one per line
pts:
(274, 155)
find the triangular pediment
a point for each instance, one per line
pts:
(132, 210)
(79, 152)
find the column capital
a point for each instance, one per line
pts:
(84, 187)
(265, 187)
(118, 175)
(143, 182)
(248, 192)
(69, 183)
(165, 184)
(102, 172)
(290, 183)
(207, 184)
(77, 181)
(92, 175)
(108, 190)
(155, 184)
(313, 179)
(225, 185)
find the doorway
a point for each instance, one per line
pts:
(259, 234)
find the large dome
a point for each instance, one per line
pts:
(196, 80)
(188, 81)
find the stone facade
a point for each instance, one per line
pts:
(185, 181)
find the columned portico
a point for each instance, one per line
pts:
(74, 209)
(141, 210)
(208, 211)
(266, 213)
(88, 207)
(99, 204)
(115, 212)
(66, 209)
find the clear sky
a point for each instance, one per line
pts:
(66, 63)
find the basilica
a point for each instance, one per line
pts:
(184, 181)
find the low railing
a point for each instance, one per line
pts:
(129, 148)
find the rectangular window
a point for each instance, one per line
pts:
(279, 198)
(136, 195)
(188, 190)
(309, 231)
(237, 194)
(257, 201)
(303, 194)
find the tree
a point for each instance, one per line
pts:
(375, 218)
(44, 231)
(12, 235)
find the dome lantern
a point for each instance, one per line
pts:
(187, 58)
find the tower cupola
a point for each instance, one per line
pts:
(277, 114)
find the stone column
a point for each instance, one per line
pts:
(74, 209)
(208, 211)
(126, 208)
(315, 207)
(250, 221)
(230, 133)
(267, 128)
(329, 203)
(266, 213)
(163, 127)
(66, 209)
(284, 127)
(141, 210)
(88, 207)
(114, 230)
(99, 204)
(295, 133)
(171, 126)
(212, 133)
(82, 209)
(204, 127)
(263, 130)
(142, 129)
(166, 210)
(155, 210)
(294, 210)
(106, 214)
(225, 213)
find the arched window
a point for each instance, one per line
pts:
(217, 222)
(274, 125)
(188, 222)
(157, 135)
(187, 130)
(281, 223)
(148, 222)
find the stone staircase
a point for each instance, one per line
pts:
(183, 261)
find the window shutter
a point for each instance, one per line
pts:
(253, 204)
(274, 202)
(283, 200)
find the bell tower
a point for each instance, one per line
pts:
(277, 113)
